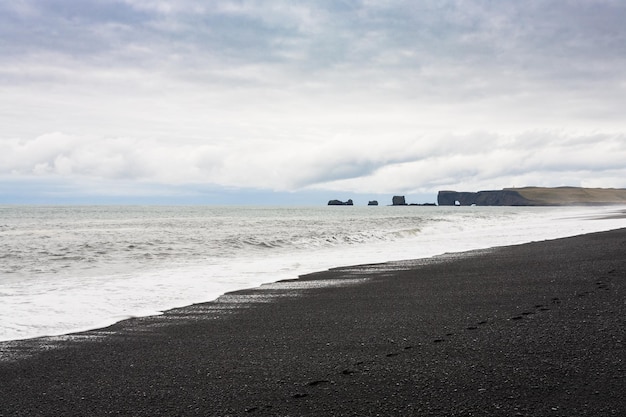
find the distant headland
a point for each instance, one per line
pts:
(535, 196)
(525, 196)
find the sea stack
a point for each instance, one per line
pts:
(398, 200)
(340, 203)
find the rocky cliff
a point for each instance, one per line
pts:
(534, 196)
(482, 198)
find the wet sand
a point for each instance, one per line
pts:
(530, 330)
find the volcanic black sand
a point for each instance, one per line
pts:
(531, 330)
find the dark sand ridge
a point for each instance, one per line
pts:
(529, 330)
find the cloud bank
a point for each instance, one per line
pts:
(364, 96)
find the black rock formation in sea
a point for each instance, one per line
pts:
(398, 200)
(340, 203)
(373, 203)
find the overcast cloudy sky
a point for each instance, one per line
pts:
(231, 101)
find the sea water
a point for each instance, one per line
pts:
(71, 268)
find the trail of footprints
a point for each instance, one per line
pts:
(359, 366)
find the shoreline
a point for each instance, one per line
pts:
(529, 329)
(192, 288)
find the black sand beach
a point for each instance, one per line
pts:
(530, 330)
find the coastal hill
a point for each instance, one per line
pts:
(535, 196)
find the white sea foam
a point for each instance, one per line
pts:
(66, 269)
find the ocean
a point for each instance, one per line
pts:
(71, 268)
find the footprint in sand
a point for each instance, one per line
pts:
(318, 382)
(253, 409)
(350, 371)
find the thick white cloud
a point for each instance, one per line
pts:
(426, 164)
(369, 96)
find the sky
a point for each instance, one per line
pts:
(262, 102)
